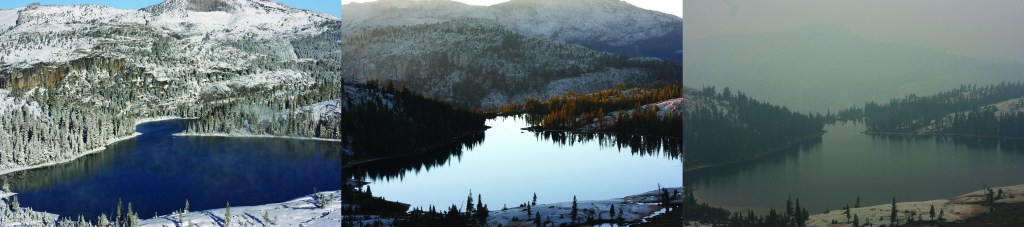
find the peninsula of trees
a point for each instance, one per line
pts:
(722, 127)
(990, 110)
(654, 109)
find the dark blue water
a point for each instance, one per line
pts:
(157, 172)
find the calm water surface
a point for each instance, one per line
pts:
(507, 165)
(832, 172)
(157, 172)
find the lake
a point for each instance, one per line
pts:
(506, 165)
(157, 172)
(844, 163)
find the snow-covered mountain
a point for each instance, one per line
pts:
(475, 62)
(178, 44)
(107, 67)
(608, 25)
(235, 19)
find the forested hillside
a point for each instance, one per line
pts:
(386, 120)
(77, 77)
(475, 63)
(721, 127)
(990, 110)
(654, 109)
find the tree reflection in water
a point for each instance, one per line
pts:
(397, 168)
(637, 144)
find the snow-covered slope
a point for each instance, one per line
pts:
(475, 62)
(1005, 108)
(300, 211)
(235, 19)
(404, 12)
(609, 25)
(102, 68)
(176, 46)
(956, 209)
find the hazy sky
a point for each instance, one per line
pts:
(322, 6)
(979, 29)
(674, 7)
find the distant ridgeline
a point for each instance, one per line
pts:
(725, 127)
(991, 110)
(392, 120)
(654, 109)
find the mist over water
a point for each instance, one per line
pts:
(845, 163)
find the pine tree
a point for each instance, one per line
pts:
(469, 200)
(798, 213)
(892, 215)
(857, 205)
(537, 220)
(266, 216)
(227, 214)
(119, 218)
(847, 212)
(611, 211)
(130, 216)
(856, 221)
(574, 211)
(14, 203)
(534, 198)
(483, 213)
(931, 212)
(789, 208)
(102, 220)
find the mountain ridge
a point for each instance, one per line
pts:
(608, 25)
(809, 63)
(479, 63)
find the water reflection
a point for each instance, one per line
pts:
(806, 149)
(638, 145)
(71, 172)
(396, 168)
(971, 142)
(511, 164)
(845, 163)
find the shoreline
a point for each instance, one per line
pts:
(301, 207)
(422, 150)
(955, 209)
(93, 151)
(253, 136)
(636, 207)
(937, 134)
(136, 134)
(538, 129)
(766, 153)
